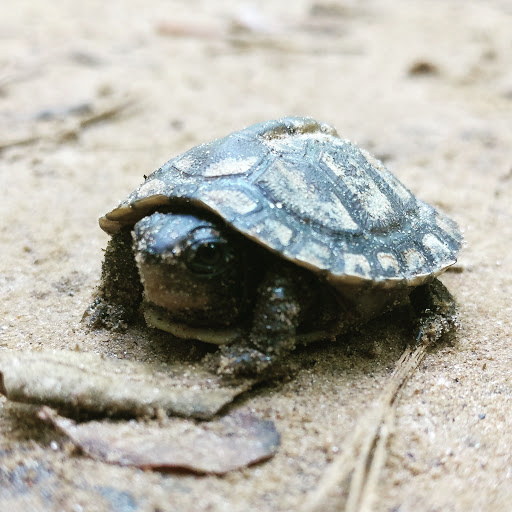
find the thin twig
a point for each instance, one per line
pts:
(366, 453)
(59, 134)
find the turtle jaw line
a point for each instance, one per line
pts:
(158, 318)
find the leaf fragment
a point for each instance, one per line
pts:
(79, 383)
(217, 447)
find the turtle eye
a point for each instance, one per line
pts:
(209, 257)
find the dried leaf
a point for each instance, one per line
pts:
(235, 441)
(84, 382)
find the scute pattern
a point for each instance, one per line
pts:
(294, 186)
(306, 196)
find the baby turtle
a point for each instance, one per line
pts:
(278, 234)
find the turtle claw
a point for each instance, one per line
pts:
(103, 314)
(233, 361)
(436, 310)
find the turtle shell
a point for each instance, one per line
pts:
(295, 187)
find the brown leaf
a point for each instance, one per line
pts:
(84, 382)
(235, 441)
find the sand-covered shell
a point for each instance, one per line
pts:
(294, 186)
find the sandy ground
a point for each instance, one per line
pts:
(426, 85)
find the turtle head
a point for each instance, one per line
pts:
(194, 275)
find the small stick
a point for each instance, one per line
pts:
(366, 453)
(59, 134)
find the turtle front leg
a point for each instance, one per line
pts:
(274, 326)
(120, 291)
(436, 310)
